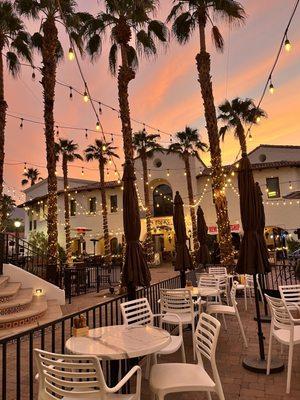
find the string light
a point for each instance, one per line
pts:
(104, 147)
(258, 119)
(98, 126)
(85, 96)
(250, 137)
(71, 54)
(100, 108)
(25, 167)
(82, 170)
(168, 172)
(287, 45)
(86, 133)
(271, 87)
(21, 123)
(71, 93)
(290, 186)
(33, 73)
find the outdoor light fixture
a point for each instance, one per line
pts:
(287, 45)
(104, 147)
(290, 186)
(258, 119)
(250, 137)
(17, 224)
(39, 292)
(271, 88)
(85, 97)
(71, 54)
(98, 126)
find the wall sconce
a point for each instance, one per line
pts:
(39, 292)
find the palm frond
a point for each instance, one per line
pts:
(217, 38)
(113, 59)
(13, 63)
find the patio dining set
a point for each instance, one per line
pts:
(146, 338)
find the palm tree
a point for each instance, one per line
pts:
(125, 19)
(102, 152)
(146, 146)
(14, 44)
(237, 114)
(67, 149)
(31, 175)
(187, 16)
(47, 43)
(187, 146)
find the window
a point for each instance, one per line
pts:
(273, 188)
(73, 207)
(30, 225)
(92, 204)
(113, 203)
(162, 201)
(34, 224)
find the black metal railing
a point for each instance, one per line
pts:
(17, 368)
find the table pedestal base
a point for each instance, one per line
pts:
(255, 364)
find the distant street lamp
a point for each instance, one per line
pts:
(94, 241)
(17, 225)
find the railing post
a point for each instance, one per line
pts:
(1, 252)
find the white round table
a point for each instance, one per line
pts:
(120, 342)
(205, 291)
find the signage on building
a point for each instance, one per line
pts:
(213, 230)
(164, 222)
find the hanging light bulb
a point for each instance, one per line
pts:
(21, 123)
(82, 171)
(71, 54)
(168, 172)
(250, 137)
(290, 186)
(25, 167)
(112, 137)
(171, 140)
(110, 162)
(271, 88)
(71, 93)
(149, 174)
(33, 74)
(98, 126)
(287, 45)
(258, 119)
(85, 97)
(104, 147)
(144, 129)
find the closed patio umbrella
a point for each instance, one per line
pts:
(183, 260)
(135, 269)
(203, 256)
(252, 257)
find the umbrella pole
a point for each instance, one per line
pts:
(259, 364)
(182, 279)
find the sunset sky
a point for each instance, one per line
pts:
(165, 93)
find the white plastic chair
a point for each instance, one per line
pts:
(290, 294)
(138, 312)
(71, 377)
(247, 287)
(229, 310)
(212, 282)
(180, 303)
(178, 377)
(217, 270)
(283, 329)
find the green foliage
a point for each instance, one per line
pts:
(146, 144)
(39, 241)
(188, 143)
(100, 151)
(67, 148)
(31, 176)
(125, 19)
(7, 207)
(293, 245)
(16, 43)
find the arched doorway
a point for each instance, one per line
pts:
(162, 201)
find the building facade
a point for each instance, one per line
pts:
(275, 168)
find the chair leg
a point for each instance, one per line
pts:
(183, 352)
(270, 352)
(242, 329)
(194, 345)
(148, 367)
(245, 297)
(208, 395)
(289, 372)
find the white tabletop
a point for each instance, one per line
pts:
(205, 291)
(120, 342)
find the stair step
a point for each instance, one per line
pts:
(3, 280)
(31, 314)
(17, 302)
(52, 313)
(10, 289)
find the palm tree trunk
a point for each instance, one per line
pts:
(3, 107)
(125, 75)
(67, 211)
(242, 139)
(218, 181)
(48, 81)
(149, 241)
(107, 253)
(191, 201)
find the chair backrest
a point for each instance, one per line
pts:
(280, 315)
(290, 294)
(71, 376)
(178, 301)
(249, 281)
(209, 281)
(233, 294)
(136, 312)
(217, 270)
